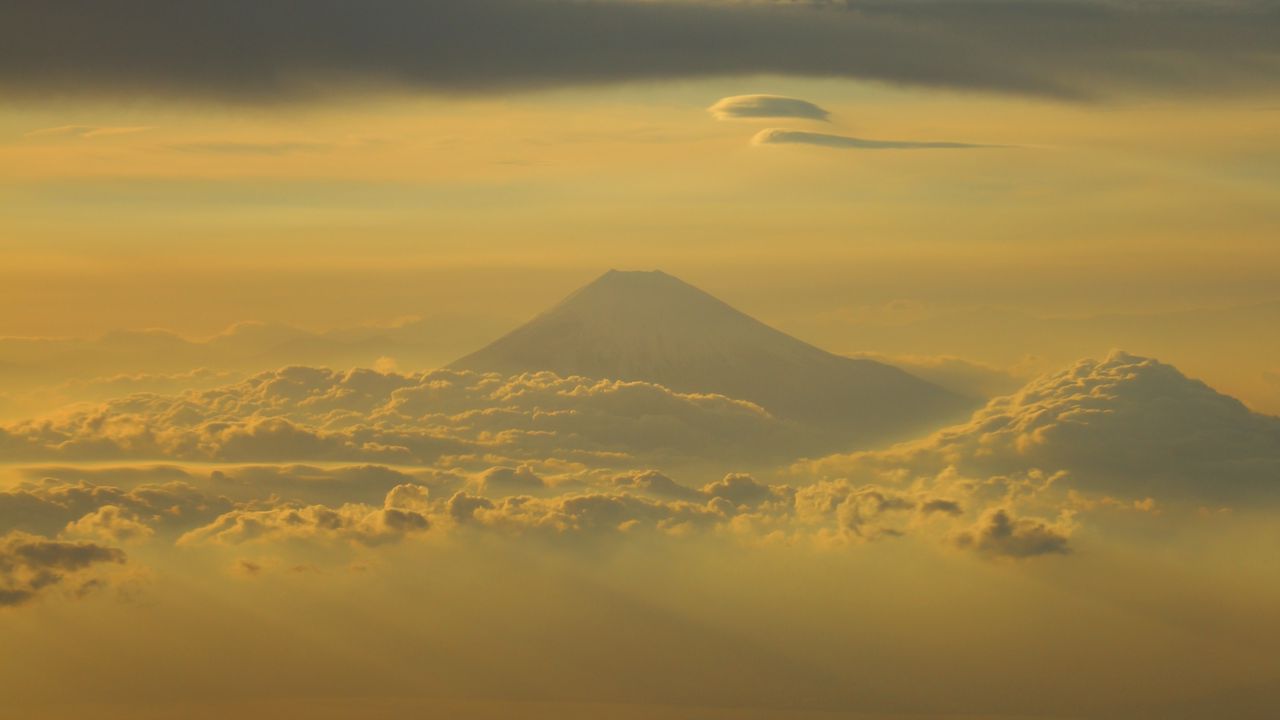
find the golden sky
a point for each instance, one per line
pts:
(192, 217)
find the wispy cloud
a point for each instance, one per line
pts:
(251, 148)
(87, 132)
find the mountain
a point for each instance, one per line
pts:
(653, 327)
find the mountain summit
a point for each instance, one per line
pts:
(653, 327)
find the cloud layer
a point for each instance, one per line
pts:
(350, 506)
(313, 414)
(274, 50)
(579, 463)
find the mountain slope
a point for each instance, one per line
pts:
(653, 327)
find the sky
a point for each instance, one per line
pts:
(241, 241)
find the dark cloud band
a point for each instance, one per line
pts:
(283, 50)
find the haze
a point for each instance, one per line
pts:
(628, 359)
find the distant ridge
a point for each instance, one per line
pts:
(653, 327)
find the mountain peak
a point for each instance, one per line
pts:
(619, 299)
(654, 327)
(615, 275)
(648, 285)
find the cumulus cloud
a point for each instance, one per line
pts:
(403, 513)
(193, 512)
(766, 106)
(31, 565)
(652, 482)
(593, 513)
(112, 524)
(323, 506)
(51, 505)
(1123, 426)
(312, 414)
(558, 457)
(844, 511)
(779, 136)
(260, 50)
(308, 484)
(826, 514)
(275, 503)
(739, 489)
(36, 399)
(509, 481)
(1001, 534)
(737, 505)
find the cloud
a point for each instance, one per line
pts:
(307, 484)
(844, 511)
(652, 482)
(112, 524)
(1000, 534)
(567, 457)
(766, 106)
(51, 505)
(778, 136)
(1125, 426)
(313, 414)
(252, 148)
(403, 513)
(299, 506)
(31, 565)
(86, 132)
(585, 513)
(508, 481)
(286, 502)
(825, 514)
(739, 489)
(260, 50)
